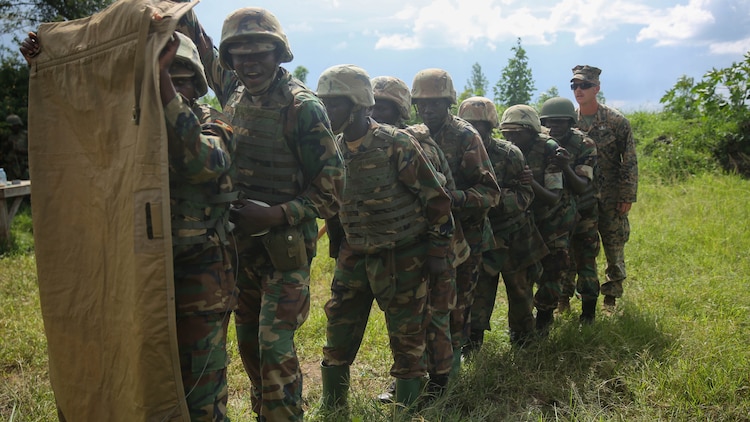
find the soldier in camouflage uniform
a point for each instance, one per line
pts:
(201, 147)
(617, 177)
(553, 205)
(287, 159)
(393, 106)
(476, 187)
(518, 244)
(559, 115)
(397, 220)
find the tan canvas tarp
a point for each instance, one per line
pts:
(101, 220)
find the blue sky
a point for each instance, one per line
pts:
(643, 46)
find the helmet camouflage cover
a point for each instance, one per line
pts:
(393, 89)
(433, 83)
(252, 24)
(187, 55)
(347, 80)
(13, 120)
(558, 107)
(523, 115)
(479, 109)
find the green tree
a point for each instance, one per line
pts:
(516, 83)
(28, 14)
(300, 72)
(546, 95)
(476, 85)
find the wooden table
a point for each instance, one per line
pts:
(16, 192)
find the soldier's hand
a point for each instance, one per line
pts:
(436, 265)
(168, 53)
(30, 47)
(527, 176)
(252, 218)
(623, 207)
(562, 157)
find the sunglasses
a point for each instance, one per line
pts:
(585, 85)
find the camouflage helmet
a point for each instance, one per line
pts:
(433, 83)
(480, 109)
(558, 107)
(347, 80)
(393, 89)
(187, 54)
(13, 120)
(256, 24)
(521, 114)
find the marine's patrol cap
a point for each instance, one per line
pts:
(586, 73)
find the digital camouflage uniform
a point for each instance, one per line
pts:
(555, 222)
(201, 147)
(518, 244)
(617, 180)
(286, 155)
(476, 192)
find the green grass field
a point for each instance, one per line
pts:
(676, 349)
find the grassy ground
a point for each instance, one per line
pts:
(676, 349)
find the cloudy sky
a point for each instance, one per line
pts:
(643, 46)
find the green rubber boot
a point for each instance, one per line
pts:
(408, 390)
(335, 385)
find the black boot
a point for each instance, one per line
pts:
(588, 314)
(544, 321)
(471, 348)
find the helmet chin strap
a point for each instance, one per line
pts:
(348, 121)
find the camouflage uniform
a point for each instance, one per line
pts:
(395, 213)
(442, 288)
(554, 221)
(476, 192)
(201, 147)
(518, 244)
(617, 180)
(286, 156)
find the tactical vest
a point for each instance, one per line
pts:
(588, 198)
(542, 152)
(377, 210)
(498, 152)
(200, 211)
(267, 169)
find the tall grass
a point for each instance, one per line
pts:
(676, 349)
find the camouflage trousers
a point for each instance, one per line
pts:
(614, 230)
(272, 306)
(554, 267)
(396, 279)
(584, 248)
(441, 300)
(467, 275)
(202, 334)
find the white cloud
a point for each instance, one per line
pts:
(678, 24)
(738, 47)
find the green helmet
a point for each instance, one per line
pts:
(393, 89)
(187, 55)
(13, 120)
(521, 114)
(558, 107)
(433, 83)
(480, 109)
(347, 80)
(252, 24)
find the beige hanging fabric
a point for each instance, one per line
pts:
(98, 157)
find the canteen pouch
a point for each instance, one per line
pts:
(286, 247)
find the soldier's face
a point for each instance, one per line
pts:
(186, 87)
(484, 128)
(558, 127)
(338, 109)
(256, 70)
(385, 111)
(584, 93)
(433, 111)
(522, 138)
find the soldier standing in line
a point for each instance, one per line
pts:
(553, 206)
(393, 106)
(201, 146)
(617, 177)
(518, 244)
(476, 188)
(286, 158)
(579, 168)
(397, 222)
